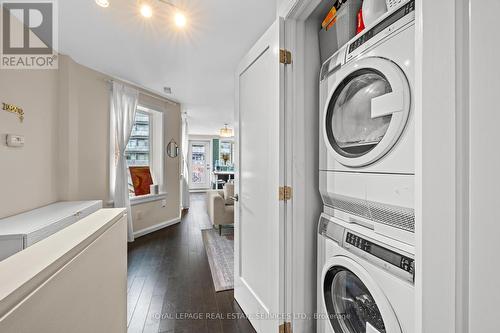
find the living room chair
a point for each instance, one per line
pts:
(220, 206)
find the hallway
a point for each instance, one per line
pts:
(170, 285)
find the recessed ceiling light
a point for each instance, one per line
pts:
(102, 3)
(180, 20)
(146, 10)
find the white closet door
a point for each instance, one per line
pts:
(259, 215)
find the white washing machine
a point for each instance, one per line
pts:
(365, 281)
(367, 127)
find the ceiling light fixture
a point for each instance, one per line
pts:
(102, 3)
(226, 132)
(180, 20)
(146, 10)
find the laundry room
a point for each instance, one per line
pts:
(263, 166)
(381, 119)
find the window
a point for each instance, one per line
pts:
(138, 151)
(144, 147)
(226, 152)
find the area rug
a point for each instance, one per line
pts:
(220, 253)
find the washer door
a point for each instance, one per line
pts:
(354, 303)
(367, 111)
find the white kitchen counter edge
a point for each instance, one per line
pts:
(22, 273)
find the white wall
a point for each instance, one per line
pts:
(484, 227)
(28, 176)
(66, 156)
(83, 132)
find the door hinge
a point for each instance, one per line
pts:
(285, 328)
(285, 193)
(285, 57)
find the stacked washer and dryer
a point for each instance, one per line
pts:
(366, 232)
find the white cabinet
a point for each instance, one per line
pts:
(21, 231)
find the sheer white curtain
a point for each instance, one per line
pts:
(124, 101)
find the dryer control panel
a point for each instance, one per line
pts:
(389, 259)
(399, 18)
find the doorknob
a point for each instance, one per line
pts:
(235, 197)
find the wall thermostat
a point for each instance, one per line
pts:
(15, 140)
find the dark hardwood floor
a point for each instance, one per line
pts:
(170, 285)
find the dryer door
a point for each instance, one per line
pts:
(366, 111)
(355, 304)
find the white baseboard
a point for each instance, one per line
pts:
(156, 227)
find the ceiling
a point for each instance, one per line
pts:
(197, 62)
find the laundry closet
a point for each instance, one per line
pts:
(348, 139)
(365, 261)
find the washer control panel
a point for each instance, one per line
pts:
(387, 258)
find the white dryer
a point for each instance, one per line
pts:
(367, 127)
(365, 281)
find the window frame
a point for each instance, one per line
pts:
(231, 143)
(156, 138)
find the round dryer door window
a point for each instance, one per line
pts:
(367, 111)
(354, 301)
(352, 306)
